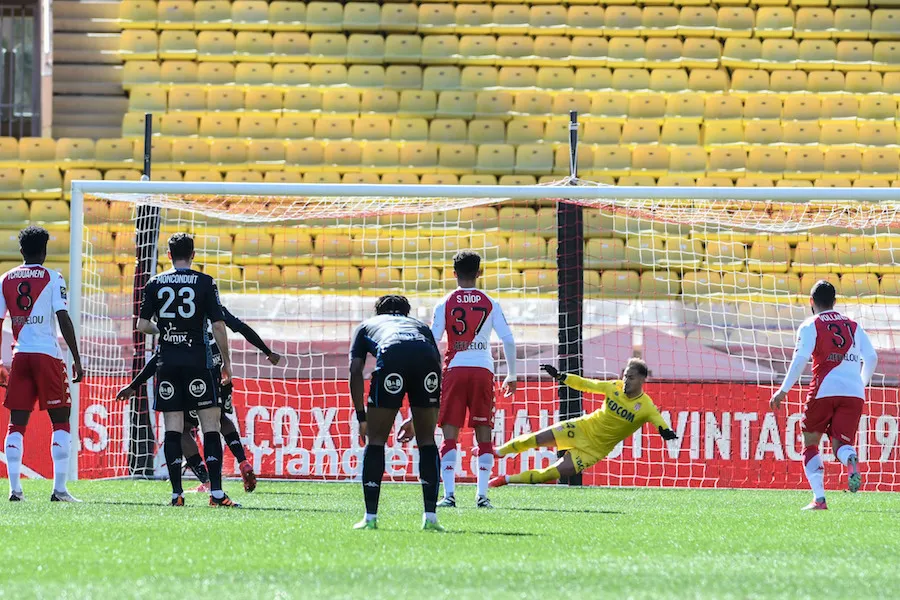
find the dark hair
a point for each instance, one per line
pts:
(33, 242)
(823, 294)
(392, 304)
(466, 263)
(181, 246)
(639, 365)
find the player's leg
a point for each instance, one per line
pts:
(379, 421)
(173, 421)
(816, 419)
(425, 421)
(451, 416)
(191, 451)
(210, 423)
(14, 447)
(563, 467)
(844, 426)
(481, 418)
(233, 438)
(60, 446)
(527, 441)
(169, 399)
(21, 393)
(53, 396)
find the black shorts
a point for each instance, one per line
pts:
(180, 388)
(223, 393)
(410, 369)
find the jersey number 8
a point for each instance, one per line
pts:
(186, 309)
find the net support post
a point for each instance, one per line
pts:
(76, 231)
(146, 229)
(570, 278)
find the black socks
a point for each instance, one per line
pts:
(372, 473)
(172, 452)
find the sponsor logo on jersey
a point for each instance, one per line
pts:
(22, 320)
(197, 388)
(431, 382)
(64, 293)
(172, 336)
(469, 297)
(27, 274)
(166, 390)
(637, 406)
(620, 410)
(838, 357)
(393, 383)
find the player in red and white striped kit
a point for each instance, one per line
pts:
(837, 391)
(468, 315)
(35, 298)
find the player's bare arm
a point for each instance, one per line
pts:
(147, 326)
(357, 393)
(67, 329)
(221, 336)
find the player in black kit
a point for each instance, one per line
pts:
(191, 422)
(182, 300)
(407, 363)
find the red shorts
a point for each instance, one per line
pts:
(837, 416)
(469, 388)
(40, 377)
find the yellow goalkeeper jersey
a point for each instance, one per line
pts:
(619, 417)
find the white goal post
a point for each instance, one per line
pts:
(703, 282)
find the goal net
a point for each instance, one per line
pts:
(709, 292)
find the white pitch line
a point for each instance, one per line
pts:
(25, 470)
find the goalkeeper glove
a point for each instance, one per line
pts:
(553, 372)
(667, 434)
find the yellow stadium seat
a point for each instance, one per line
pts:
(456, 158)
(187, 99)
(324, 16)
(644, 250)
(622, 21)
(484, 50)
(555, 78)
(365, 48)
(611, 160)
(640, 131)
(402, 48)
(763, 132)
(878, 134)
(801, 109)
(853, 251)
(253, 74)
(528, 251)
(853, 55)
(147, 98)
(685, 107)
(380, 277)
(804, 163)
(808, 280)
(221, 126)
(291, 47)
(493, 104)
(243, 176)
(136, 72)
(780, 54)
(258, 126)
(682, 253)
(788, 81)
(216, 46)
(536, 159)
(302, 277)
(726, 256)
(177, 45)
(696, 21)
(178, 125)
(179, 72)
(618, 284)
(37, 151)
(774, 22)
(495, 158)
(41, 183)
(175, 14)
(252, 247)
(762, 108)
(379, 102)
(769, 256)
(837, 108)
(588, 52)
(593, 79)
(122, 175)
(380, 156)
(71, 175)
(250, 15)
(14, 214)
(816, 54)
(701, 53)
(741, 283)
(454, 130)
(687, 161)
(215, 73)
(766, 161)
(421, 278)
(440, 49)
(257, 46)
(659, 284)
(814, 23)
(816, 254)
(723, 108)
(533, 103)
(880, 161)
(735, 21)
(282, 177)
(203, 175)
(436, 18)
(659, 21)
(663, 54)
(842, 162)
(747, 81)
(715, 182)
(541, 280)
(858, 285)
(646, 106)
(266, 155)
(510, 19)
(9, 152)
(604, 253)
(723, 133)
(372, 128)
(138, 45)
(417, 103)
(137, 14)
(472, 18)
(75, 153)
(601, 132)
(708, 80)
(826, 82)
(518, 218)
(877, 109)
(627, 53)
(780, 284)
(701, 283)
(265, 276)
(864, 82)
(212, 15)
(410, 130)
(522, 131)
(585, 20)
(633, 80)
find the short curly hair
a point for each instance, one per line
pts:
(33, 241)
(392, 304)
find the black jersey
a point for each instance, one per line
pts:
(182, 300)
(234, 324)
(379, 334)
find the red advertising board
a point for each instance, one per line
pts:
(727, 436)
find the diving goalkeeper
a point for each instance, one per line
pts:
(590, 438)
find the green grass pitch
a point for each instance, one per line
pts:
(294, 540)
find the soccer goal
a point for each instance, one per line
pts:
(707, 285)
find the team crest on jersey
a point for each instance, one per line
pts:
(166, 390)
(431, 382)
(637, 406)
(197, 388)
(393, 383)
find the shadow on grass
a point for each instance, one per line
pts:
(203, 505)
(588, 511)
(500, 533)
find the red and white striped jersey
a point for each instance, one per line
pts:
(843, 358)
(33, 295)
(468, 315)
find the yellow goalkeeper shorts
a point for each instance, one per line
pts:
(572, 435)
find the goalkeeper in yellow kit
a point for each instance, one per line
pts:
(590, 438)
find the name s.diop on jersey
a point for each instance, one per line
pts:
(468, 298)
